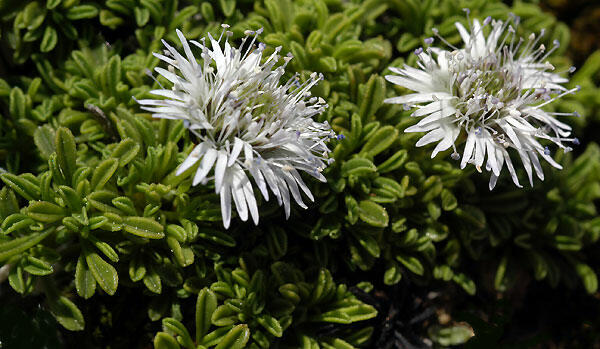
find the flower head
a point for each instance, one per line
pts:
(491, 92)
(246, 123)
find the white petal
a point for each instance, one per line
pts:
(469, 148)
(271, 179)
(248, 154)
(237, 191)
(168, 75)
(493, 180)
(207, 163)
(217, 55)
(491, 151)
(191, 159)
(285, 194)
(409, 83)
(526, 164)
(479, 151)
(511, 168)
(186, 49)
(536, 165)
(479, 43)
(259, 179)
(250, 200)
(220, 168)
(443, 145)
(170, 94)
(225, 195)
(237, 148)
(431, 137)
(422, 128)
(301, 184)
(294, 189)
(549, 159)
(464, 33)
(511, 133)
(436, 116)
(417, 98)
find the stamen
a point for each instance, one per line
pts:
(546, 151)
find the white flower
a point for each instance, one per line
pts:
(490, 92)
(245, 121)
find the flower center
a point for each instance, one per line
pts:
(483, 88)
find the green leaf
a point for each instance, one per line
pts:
(411, 263)
(49, 39)
(125, 204)
(71, 197)
(50, 4)
(104, 172)
(224, 315)
(323, 287)
(104, 273)
(105, 248)
(8, 203)
(359, 312)
(205, 307)
(356, 129)
(236, 338)
(373, 214)
(327, 64)
(126, 151)
(588, 276)
(16, 222)
(67, 314)
(338, 344)
(449, 201)
(372, 98)
(43, 138)
(179, 329)
(81, 12)
(392, 274)
(22, 186)
(109, 19)
(334, 316)
(290, 293)
(85, 283)
(450, 336)
(228, 7)
(137, 269)
(276, 239)
(163, 340)
(368, 242)
(36, 266)
(466, 283)
(112, 74)
(270, 324)
(144, 227)
(177, 232)
(44, 211)
(216, 236)
(567, 243)
(380, 141)
(358, 167)
(17, 103)
(65, 152)
(177, 251)
(432, 187)
(142, 15)
(22, 244)
(15, 278)
(499, 280)
(152, 281)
